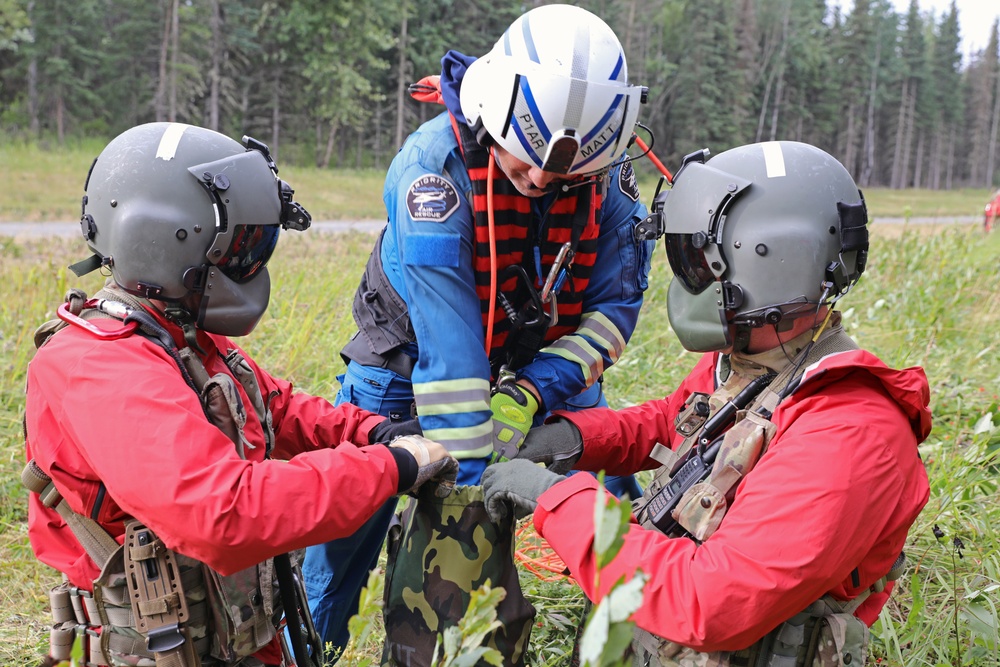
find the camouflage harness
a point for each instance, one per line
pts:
(826, 633)
(151, 605)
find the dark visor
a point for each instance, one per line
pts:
(688, 262)
(249, 251)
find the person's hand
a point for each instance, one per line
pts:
(387, 430)
(513, 409)
(558, 445)
(434, 463)
(515, 486)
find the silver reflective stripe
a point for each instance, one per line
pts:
(444, 406)
(465, 442)
(604, 331)
(449, 397)
(596, 335)
(457, 386)
(578, 79)
(578, 350)
(457, 397)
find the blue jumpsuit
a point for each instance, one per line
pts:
(427, 255)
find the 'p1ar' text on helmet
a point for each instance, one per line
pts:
(182, 213)
(554, 92)
(757, 236)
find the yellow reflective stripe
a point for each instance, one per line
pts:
(603, 330)
(448, 397)
(465, 442)
(578, 350)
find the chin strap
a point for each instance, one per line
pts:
(741, 337)
(183, 318)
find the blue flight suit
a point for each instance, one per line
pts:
(427, 255)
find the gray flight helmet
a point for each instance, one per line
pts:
(759, 235)
(175, 211)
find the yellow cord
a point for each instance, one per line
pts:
(826, 321)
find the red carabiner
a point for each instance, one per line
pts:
(66, 316)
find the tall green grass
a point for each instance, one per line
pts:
(45, 182)
(929, 298)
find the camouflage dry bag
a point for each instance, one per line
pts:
(439, 551)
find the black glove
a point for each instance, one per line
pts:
(387, 430)
(433, 463)
(515, 483)
(558, 445)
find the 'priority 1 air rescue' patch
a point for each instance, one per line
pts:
(431, 197)
(627, 182)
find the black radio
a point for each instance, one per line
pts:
(697, 465)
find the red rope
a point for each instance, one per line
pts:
(535, 555)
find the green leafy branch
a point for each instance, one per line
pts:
(608, 632)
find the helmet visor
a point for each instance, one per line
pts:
(686, 254)
(248, 251)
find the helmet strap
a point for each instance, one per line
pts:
(482, 136)
(741, 337)
(183, 318)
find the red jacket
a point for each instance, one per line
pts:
(118, 413)
(837, 489)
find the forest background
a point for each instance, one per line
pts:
(324, 82)
(890, 93)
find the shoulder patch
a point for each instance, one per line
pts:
(627, 182)
(431, 197)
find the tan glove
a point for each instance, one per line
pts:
(433, 463)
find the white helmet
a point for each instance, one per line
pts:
(554, 92)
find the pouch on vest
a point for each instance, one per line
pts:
(245, 610)
(439, 550)
(842, 642)
(121, 642)
(224, 408)
(823, 635)
(702, 508)
(155, 591)
(379, 312)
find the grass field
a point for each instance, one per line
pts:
(46, 184)
(929, 298)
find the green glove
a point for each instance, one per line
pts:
(513, 409)
(515, 484)
(558, 445)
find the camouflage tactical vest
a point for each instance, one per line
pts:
(132, 621)
(826, 633)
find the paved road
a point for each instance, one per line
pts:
(69, 229)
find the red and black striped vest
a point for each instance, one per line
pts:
(515, 231)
